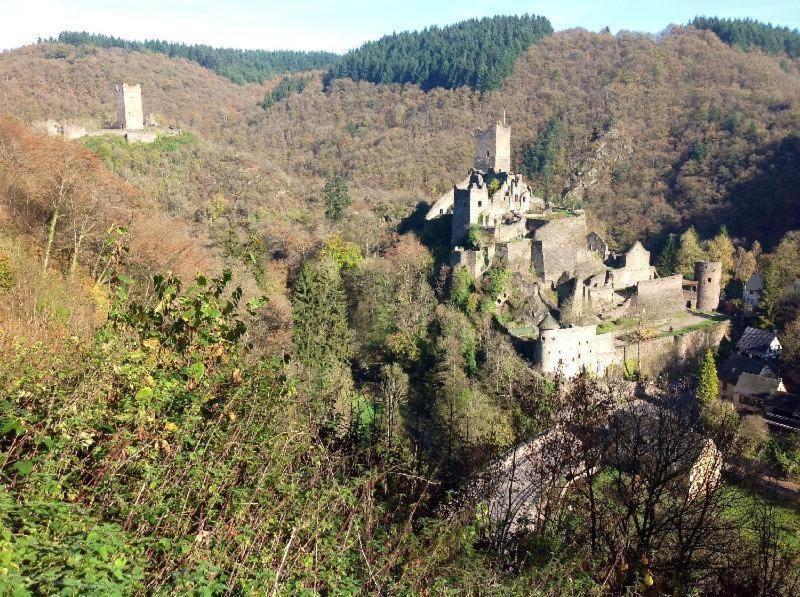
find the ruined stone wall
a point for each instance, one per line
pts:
(658, 298)
(515, 255)
(569, 350)
(559, 246)
(504, 233)
(467, 205)
(595, 243)
(476, 261)
(636, 269)
(669, 352)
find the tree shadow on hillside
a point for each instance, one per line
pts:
(434, 234)
(767, 205)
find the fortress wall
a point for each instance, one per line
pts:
(668, 352)
(569, 350)
(509, 232)
(516, 255)
(659, 297)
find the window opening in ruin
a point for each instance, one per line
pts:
(709, 279)
(688, 304)
(487, 154)
(480, 203)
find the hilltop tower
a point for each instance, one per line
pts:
(708, 275)
(129, 107)
(493, 147)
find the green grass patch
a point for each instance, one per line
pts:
(708, 323)
(785, 514)
(115, 150)
(617, 324)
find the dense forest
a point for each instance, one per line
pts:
(478, 53)
(749, 33)
(240, 66)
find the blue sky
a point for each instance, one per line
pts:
(340, 25)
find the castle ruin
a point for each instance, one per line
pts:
(584, 305)
(129, 107)
(131, 121)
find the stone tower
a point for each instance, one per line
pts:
(493, 147)
(468, 203)
(129, 107)
(708, 275)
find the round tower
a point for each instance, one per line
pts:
(708, 275)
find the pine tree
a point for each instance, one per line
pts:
(707, 388)
(668, 260)
(689, 252)
(770, 297)
(336, 197)
(320, 332)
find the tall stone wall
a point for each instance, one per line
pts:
(129, 107)
(666, 353)
(515, 255)
(559, 246)
(658, 298)
(467, 204)
(570, 350)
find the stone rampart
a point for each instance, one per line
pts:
(666, 353)
(658, 298)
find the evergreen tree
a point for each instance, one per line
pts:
(668, 260)
(545, 161)
(478, 53)
(707, 388)
(320, 332)
(770, 297)
(689, 252)
(336, 197)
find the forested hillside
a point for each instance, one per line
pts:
(710, 128)
(478, 53)
(240, 66)
(748, 33)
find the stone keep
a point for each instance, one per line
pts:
(493, 148)
(709, 279)
(129, 107)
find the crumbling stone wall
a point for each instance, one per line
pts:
(515, 255)
(596, 243)
(569, 350)
(635, 269)
(476, 261)
(658, 298)
(559, 246)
